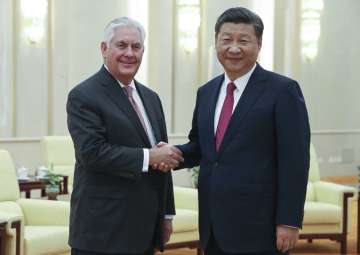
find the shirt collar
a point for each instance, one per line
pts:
(242, 80)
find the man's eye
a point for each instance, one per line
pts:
(121, 46)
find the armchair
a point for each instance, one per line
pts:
(185, 224)
(58, 155)
(326, 208)
(33, 226)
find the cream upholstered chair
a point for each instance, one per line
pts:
(326, 207)
(35, 226)
(58, 155)
(185, 223)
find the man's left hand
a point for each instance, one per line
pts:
(286, 237)
(167, 230)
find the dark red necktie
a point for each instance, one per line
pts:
(225, 115)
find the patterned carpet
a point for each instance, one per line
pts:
(305, 248)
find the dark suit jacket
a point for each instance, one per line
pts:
(258, 178)
(115, 207)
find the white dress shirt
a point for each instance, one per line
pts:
(240, 84)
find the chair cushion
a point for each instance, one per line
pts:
(321, 228)
(314, 172)
(321, 213)
(188, 236)
(310, 192)
(46, 240)
(185, 220)
(186, 198)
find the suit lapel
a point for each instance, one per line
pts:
(253, 90)
(148, 102)
(117, 95)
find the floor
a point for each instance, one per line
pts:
(303, 247)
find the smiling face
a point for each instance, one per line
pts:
(124, 53)
(237, 48)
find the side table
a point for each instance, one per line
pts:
(30, 184)
(34, 183)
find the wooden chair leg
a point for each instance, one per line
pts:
(17, 226)
(343, 246)
(310, 240)
(199, 251)
(2, 238)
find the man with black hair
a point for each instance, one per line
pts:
(251, 136)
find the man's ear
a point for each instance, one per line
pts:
(104, 48)
(260, 43)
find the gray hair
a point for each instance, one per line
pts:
(122, 21)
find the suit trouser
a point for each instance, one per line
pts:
(82, 252)
(213, 249)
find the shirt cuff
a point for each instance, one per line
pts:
(146, 161)
(288, 226)
(169, 217)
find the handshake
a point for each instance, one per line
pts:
(165, 157)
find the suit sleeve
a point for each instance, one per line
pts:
(170, 203)
(93, 151)
(293, 143)
(191, 150)
(169, 190)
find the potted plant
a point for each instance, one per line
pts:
(195, 175)
(52, 188)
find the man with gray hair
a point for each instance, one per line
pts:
(119, 204)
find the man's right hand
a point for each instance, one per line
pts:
(165, 156)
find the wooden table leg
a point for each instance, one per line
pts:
(65, 184)
(43, 193)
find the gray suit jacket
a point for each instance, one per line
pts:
(115, 207)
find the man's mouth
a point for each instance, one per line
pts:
(127, 63)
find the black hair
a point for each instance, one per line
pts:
(240, 15)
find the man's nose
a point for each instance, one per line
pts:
(234, 48)
(129, 51)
